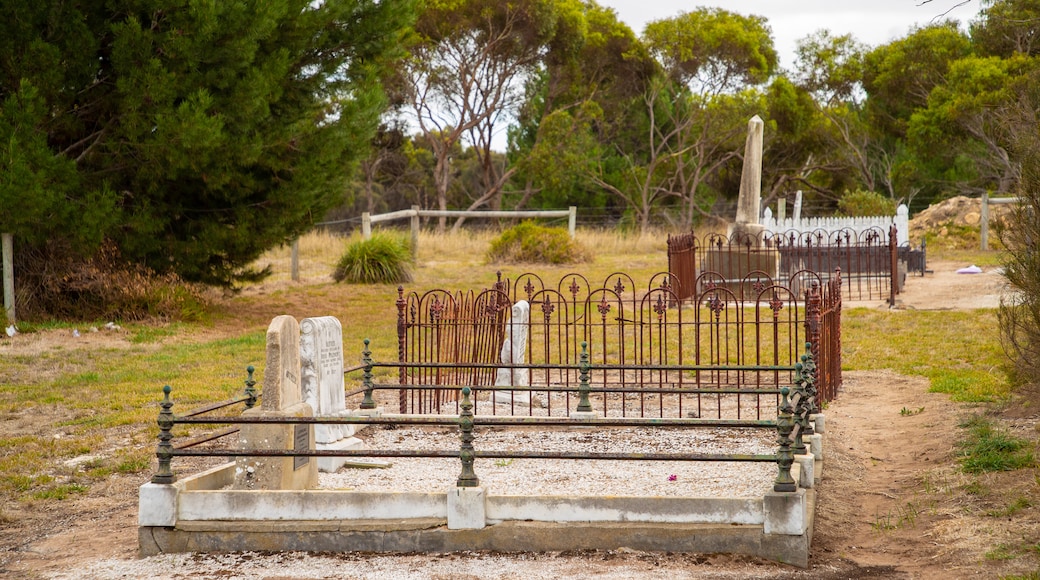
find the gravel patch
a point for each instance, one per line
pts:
(571, 477)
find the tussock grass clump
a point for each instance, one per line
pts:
(987, 448)
(534, 244)
(382, 259)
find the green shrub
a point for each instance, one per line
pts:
(382, 259)
(535, 244)
(865, 203)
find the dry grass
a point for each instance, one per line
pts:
(451, 259)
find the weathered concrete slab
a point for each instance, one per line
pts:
(733, 511)
(433, 535)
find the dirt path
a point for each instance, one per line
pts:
(887, 438)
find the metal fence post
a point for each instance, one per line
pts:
(165, 450)
(785, 455)
(468, 478)
(893, 256)
(584, 405)
(366, 359)
(402, 349)
(250, 388)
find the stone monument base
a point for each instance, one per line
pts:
(333, 464)
(271, 473)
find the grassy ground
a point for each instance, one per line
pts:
(61, 399)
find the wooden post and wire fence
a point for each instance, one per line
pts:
(413, 214)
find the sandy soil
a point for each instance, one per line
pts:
(890, 504)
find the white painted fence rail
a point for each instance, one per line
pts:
(834, 224)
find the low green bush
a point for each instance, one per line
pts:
(865, 203)
(54, 285)
(531, 243)
(382, 259)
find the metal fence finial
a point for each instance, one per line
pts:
(250, 388)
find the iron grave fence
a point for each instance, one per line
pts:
(726, 350)
(872, 263)
(791, 422)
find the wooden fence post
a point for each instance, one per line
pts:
(984, 222)
(572, 220)
(7, 241)
(415, 232)
(366, 225)
(294, 261)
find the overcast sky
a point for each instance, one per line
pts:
(873, 22)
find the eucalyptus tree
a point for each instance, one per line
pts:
(695, 111)
(466, 74)
(830, 68)
(575, 109)
(958, 129)
(899, 76)
(1007, 27)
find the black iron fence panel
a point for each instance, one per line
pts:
(869, 261)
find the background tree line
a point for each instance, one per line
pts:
(188, 136)
(649, 129)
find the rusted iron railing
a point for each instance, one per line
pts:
(740, 334)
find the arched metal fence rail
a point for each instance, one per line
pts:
(643, 337)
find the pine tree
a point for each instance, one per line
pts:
(194, 134)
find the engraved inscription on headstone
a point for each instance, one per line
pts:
(321, 363)
(301, 442)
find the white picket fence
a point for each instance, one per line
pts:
(834, 224)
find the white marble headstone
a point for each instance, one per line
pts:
(514, 351)
(321, 364)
